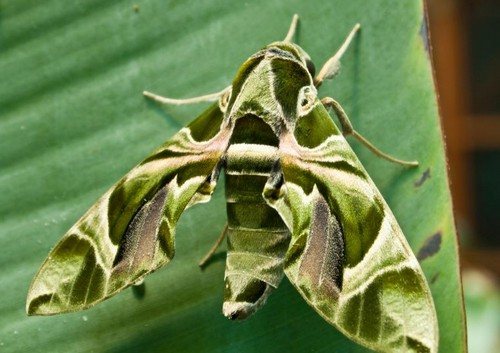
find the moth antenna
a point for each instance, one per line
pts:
(332, 65)
(347, 41)
(292, 29)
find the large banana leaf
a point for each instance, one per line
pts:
(73, 121)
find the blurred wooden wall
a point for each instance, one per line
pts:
(467, 131)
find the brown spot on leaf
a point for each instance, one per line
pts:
(430, 247)
(435, 278)
(424, 34)
(425, 175)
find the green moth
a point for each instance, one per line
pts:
(299, 203)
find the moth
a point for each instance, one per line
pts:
(299, 203)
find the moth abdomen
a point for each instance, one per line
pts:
(257, 236)
(254, 268)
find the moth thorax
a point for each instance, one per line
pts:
(251, 128)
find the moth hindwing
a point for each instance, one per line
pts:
(299, 203)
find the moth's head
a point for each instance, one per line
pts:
(275, 84)
(298, 53)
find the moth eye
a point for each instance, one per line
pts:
(306, 99)
(310, 67)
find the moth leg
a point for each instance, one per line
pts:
(214, 247)
(212, 97)
(273, 190)
(348, 129)
(292, 29)
(332, 65)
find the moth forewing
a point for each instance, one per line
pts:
(129, 232)
(366, 282)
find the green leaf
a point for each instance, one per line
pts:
(73, 121)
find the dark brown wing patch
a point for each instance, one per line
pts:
(139, 241)
(323, 256)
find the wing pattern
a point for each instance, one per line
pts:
(348, 256)
(129, 231)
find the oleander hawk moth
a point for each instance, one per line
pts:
(299, 203)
